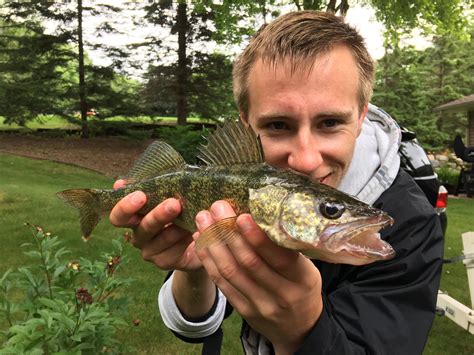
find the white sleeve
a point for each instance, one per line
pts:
(175, 321)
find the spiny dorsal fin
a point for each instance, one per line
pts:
(230, 144)
(158, 159)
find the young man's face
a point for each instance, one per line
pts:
(308, 121)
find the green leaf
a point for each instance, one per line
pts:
(62, 251)
(117, 245)
(5, 276)
(33, 254)
(59, 270)
(68, 322)
(76, 337)
(46, 315)
(49, 303)
(29, 276)
(84, 346)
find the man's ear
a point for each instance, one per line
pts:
(360, 120)
(242, 117)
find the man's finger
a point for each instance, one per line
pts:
(151, 224)
(221, 209)
(119, 183)
(124, 212)
(285, 262)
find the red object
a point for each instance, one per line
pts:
(442, 201)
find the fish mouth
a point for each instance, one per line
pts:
(359, 238)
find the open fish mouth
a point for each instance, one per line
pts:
(359, 238)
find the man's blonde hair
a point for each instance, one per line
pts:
(301, 37)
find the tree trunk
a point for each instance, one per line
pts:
(82, 81)
(441, 76)
(182, 75)
(343, 7)
(263, 7)
(312, 4)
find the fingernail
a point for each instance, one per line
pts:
(218, 210)
(134, 220)
(201, 220)
(170, 208)
(245, 223)
(137, 198)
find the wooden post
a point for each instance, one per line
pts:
(468, 244)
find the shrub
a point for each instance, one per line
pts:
(102, 128)
(60, 306)
(185, 139)
(448, 176)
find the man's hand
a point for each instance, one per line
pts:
(168, 247)
(276, 290)
(165, 245)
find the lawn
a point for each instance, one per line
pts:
(54, 122)
(27, 194)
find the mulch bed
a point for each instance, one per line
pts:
(111, 156)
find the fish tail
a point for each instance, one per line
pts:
(87, 201)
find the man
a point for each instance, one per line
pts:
(303, 84)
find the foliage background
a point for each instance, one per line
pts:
(184, 67)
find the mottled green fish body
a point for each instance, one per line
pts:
(317, 220)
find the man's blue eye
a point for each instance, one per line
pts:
(278, 125)
(330, 123)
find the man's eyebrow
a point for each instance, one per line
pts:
(334, 114)
(272, 115)
(323, 114)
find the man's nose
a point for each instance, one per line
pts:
(305, 156)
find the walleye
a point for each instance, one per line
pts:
(295, 212)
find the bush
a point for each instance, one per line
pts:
(103, 128)
(448, 176)
(185, 139)
(56, 306)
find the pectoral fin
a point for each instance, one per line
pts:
(222, 232)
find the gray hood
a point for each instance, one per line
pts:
(376, 162)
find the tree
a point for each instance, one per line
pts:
(194, 25)
(209, 88)
(82, 80)
(211, 93)
(411, 83)
(68, 20)
(330, 6)
(31, 70)
(159, 93)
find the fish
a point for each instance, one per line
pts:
(295, 212)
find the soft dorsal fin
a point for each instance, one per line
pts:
(158, 159)
(230, 144)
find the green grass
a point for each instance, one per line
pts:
(27, 194)
(40, 122)
(446, 337)
(56, 122)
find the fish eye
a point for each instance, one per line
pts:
(332, 210)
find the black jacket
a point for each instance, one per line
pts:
(386, 307)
